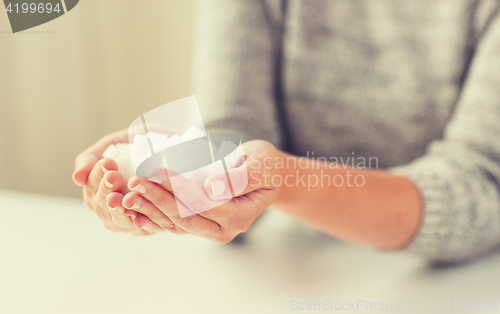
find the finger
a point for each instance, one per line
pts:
(89, 202)
(190, 194)
(111, 182)
(100, 168)
(84, 165)
(117, 212)
(84, 162)
(106, 220)
(139, 204)
(167, 203)
(133, 215)
(191, 198)
(144, 224)
(253, 174)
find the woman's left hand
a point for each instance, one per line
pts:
(219, 223)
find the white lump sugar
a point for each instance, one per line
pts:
(192, 133)
(130, 156)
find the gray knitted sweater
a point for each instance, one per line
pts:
(414, 83)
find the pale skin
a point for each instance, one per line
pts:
(385, 212)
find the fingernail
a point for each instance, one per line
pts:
(140, 188)
(113, 208)
(218, 187)
(136, 206)
(104, 170)
(156, 180)
(129, 214)
(107, 184)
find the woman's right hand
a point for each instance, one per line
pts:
(102, 186)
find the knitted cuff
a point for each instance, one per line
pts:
(436, 218)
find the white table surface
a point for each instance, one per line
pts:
(56, 257)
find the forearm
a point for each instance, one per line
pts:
(371, 207)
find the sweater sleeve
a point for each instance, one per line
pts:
(234, 68)
(459, 177)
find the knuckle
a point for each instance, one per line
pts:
(240, 225)
(87, 193)
(187, 222)
(224, 239)
(147, 211)
(176, 230)
(199, 205)
(168, 226)
(159, 199)
(94, 180)
(91, 189)
(100, 200)
(153, 213)
(102, 193)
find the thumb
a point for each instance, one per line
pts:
(244, 179)
(83, 166)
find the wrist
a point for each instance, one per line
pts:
(287, 175)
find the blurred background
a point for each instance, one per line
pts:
(66, 83)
